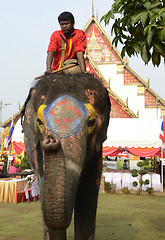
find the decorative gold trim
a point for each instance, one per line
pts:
(92, 10)
(108, 63)
(120, 69)
(148, 82)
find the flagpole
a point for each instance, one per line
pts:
(162, 167)
(10, 142)
(162, 137)
(8, 161)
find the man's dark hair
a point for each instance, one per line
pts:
(66, 16)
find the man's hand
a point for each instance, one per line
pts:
(47, 72)
(49, 61)
(89, 73)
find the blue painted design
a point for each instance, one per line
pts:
(66, 116)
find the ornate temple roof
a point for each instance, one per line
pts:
(102, 51)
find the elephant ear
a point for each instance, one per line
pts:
(30, 130)
(104, 122)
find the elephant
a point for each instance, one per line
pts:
(65, 122)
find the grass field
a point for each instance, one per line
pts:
(119, 217)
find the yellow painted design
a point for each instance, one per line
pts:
(92, 116)
(41, 118)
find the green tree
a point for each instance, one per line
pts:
(142, 172)
(140, 26)
(24, 164)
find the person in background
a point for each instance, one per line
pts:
(125, 165)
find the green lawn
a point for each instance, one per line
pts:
(119, 217)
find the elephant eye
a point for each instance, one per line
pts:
(91, 122)
(39, 122)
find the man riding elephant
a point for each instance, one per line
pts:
(67, 43)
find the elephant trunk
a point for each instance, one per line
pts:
(58, 193)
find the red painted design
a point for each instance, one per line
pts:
(65, 112)
(100, 50)
(150, 100)
(129, 78)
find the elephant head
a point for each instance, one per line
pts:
(65, 124)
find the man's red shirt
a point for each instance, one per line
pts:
(76, 42)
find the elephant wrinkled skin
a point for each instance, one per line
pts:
(65, 123)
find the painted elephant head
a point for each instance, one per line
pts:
(65, 124)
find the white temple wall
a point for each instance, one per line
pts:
(135, 102)
(108, 70)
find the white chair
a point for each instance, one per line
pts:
(108, 177)
(117, 180)
(145, 177)
(126, 180)
(34, 190)
(156, 184)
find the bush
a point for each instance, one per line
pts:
(134, 173)
(107, 187)
(150, 191)
(140, 164)
(16, 165)
(25, 164)
(146, 182)
(135, 184)
(5, 159)
(125, 190)
(142, 172)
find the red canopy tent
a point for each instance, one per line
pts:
(138, 137)
(142, 152)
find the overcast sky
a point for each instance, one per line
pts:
(25, 29)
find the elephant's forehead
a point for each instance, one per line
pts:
(65, 116)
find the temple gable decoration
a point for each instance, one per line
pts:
(98, 46)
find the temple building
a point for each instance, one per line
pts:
(131, 96)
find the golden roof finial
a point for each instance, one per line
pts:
(126, 102)
(148, 82)
(126, 60)
(109, 81)
(93, 10)
(19, 106)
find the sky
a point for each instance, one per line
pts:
(25, 30)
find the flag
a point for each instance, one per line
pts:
(162, 133)
(10, 134)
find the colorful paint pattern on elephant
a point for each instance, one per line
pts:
(66, 116)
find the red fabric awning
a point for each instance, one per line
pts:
(142, 152)
(18, 147)
(111, 151)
